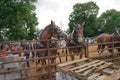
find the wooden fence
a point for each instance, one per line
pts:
(41, 72)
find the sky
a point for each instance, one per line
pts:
(59, 10)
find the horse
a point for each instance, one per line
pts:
(105, 38)
(76, 38)
(101, 39)
(51, 30)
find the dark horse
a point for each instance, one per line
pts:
(106, 40)
(51, 30)
(77, 39)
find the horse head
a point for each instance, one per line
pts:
(77, 34)
(56, 31)
(51, 30)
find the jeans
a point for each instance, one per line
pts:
(33, 54)
(27, 54)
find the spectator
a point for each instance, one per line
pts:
(27, 54)
(25, 46)
(32, 47)
(4, 49)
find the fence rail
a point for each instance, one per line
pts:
(46, 69)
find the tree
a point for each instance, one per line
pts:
(18, 19)
(109, 20)
(85, 12)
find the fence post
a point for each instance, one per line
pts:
(49, 63)
(112, 48)
(86, 48)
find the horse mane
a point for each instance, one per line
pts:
(47, 27)
(39, 33)
(71, 35)
(52, 23)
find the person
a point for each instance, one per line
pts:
(32, 47)
(25, 46)
(4, 49)
(13, 48)
(27, 54)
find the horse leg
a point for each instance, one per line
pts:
(86, 53)
(81, 56)
(83, 52)
(72, 56)
(110, 49)
(36, 59)
(118, 51)
(53, 60)
(62, 51)
(37, 55)
(99, 49)
(53, 68)
(66, 51)
(59, 57)
(44, 55)
(44, 61)
(103, 47)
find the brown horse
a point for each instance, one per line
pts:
(51, 30)
(106, 40)
(77, 39)
(101, 40)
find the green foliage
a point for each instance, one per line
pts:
(105, 23)
(68, 31)
(85, 12)
(18, 19)
(109, 20)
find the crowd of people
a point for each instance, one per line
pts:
(20, 48)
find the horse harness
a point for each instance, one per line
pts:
(73, 42)
(52, 41)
